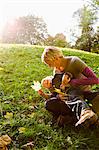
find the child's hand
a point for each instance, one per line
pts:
(40, 92)
(44, 95)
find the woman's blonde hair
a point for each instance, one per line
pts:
(50, 53)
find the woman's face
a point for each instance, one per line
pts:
(56, 64)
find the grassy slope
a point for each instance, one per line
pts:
(19, 66)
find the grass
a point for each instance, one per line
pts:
(22, 113)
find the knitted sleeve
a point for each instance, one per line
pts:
(89, 80)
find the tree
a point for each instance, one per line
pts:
(58, 40)
(95, 42)
(93, 4)
(26, 29)
(49, 40)
(86, 21)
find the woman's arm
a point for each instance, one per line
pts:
(89, 80)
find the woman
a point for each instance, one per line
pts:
(83, 76)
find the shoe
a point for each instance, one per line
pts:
(88, 117)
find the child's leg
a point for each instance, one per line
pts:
(57, 106)
(82, 111)
(53, 106)
(62, 114)
(76, 104)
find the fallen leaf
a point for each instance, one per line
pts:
(1, 69)
(8, 115)
(21, 130)
(31, 115)
(69, 140)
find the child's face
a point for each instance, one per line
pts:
(47, 83)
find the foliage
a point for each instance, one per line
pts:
(58, 40)
(95, 42)
(22, 113)
(94, 4)
(84, 42)
(86, 20)
(49, 40)
(26, 29)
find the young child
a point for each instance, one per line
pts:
(54, 103)
(53, 84)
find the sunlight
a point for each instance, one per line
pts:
(1, 25)
(6, 15)
(2, 15)
(10, 9)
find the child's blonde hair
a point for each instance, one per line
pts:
(50, 53)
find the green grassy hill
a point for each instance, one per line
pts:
(22, 113)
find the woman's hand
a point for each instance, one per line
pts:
(65, 81)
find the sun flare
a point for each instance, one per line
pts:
(5, 14)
